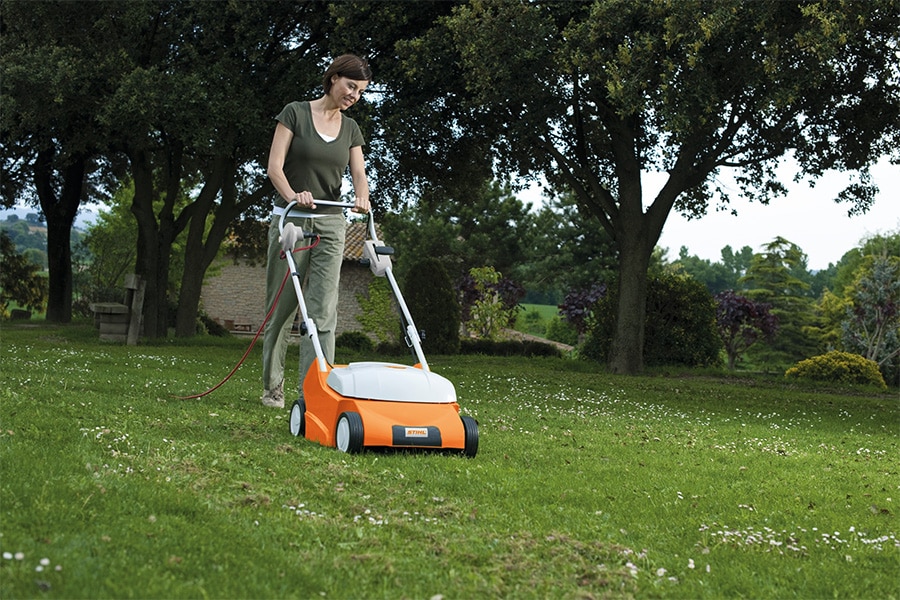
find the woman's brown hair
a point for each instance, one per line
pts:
(349, 66)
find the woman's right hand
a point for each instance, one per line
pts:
(304, 199)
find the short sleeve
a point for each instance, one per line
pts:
(356, 136)
(289, 116)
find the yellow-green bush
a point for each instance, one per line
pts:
(838, 367)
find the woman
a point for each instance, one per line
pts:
(312, 147)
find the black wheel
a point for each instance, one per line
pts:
(471, 429)
(348, 435)
(298, 418)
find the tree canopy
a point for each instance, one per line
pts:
(592, 95)
(177, 99)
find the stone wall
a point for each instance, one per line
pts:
(235, 295)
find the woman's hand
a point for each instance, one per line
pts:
(303, 199)
(361, 205)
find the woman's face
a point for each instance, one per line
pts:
(346, 92)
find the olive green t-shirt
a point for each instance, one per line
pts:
(312, 164)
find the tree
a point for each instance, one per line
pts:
(27, 240)
(19, 280)
(846, 270)
(378, 316)
(431, 299)
(490, 302)
(680, 322)
(175, 97)
(192, 115)
(719, 276)
(772, 279)
(564, 252)
(577, 306)
(56, 66)
(835, 286)
(872, 324)
(593, 95)
(489, 227)
(106, 254)
(741, 322)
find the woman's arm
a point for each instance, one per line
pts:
(281, 142)
(359, 179)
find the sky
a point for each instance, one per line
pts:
(806, 216)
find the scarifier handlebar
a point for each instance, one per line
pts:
(379, 258)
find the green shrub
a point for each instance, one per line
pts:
(562, 331)
(838, 367)
(680, 326)
(531, 322)
(20, 282)
(393, 349)
(210, 326)
(431, 299)
(354, 340)
(377, 314)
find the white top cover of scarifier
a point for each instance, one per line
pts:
(388, 381)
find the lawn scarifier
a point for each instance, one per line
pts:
(376, 404)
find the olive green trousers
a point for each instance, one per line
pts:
(319, 271)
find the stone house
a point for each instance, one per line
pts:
(235, 295)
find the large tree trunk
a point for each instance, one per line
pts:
(626, 355)
(198, 254)
(59, 262)
(636, 233)
(150, 262)
(60, 212)
(156, 234)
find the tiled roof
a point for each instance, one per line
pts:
(357, 232)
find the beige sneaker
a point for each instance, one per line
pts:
(274, 398)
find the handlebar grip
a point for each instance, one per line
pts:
(342, 204)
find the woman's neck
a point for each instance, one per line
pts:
(326, 107)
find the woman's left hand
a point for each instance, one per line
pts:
(361, 205)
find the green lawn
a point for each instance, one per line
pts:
(533, 318)
(586, 485)
(546, 311)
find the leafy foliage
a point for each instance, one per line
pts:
(560, 330)
(431, 298)
(773, 279)
(741, 322)
(565, 250)
(838, 367)
(490, 302)
(154, 92)
(354, 340)
(578, 304)
(377, 314)
(718, 276)
(680, 324)
(19, 280)
(592, 95)
(872, 324)
(489, 226)
(30, 243)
